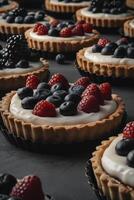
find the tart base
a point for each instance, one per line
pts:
(128, 30)
(11, 6)
(104, 70)
(60, 46)
(109, 23)
(111, 188)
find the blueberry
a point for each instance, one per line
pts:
(130, 52)
(56, 87)
(7, 182)
(53, 32)
(61, 25)
(42, 94)
(10, 19)
(114, 11)
(60, 93)
(130, 159)
(43, 86)
(29, 20)
(112, 45)
(39, 17)
(4, 15)
(73, 97)
(22, 64)
(68, 108)
(120, 52)
(40, 12)
(9, 64)
(131, 44)
(29, 102)
(56, 100)
(76, 89)
(60, 58)
(124, 146)
(96, 48)
(107, 51)
(19, 19)
(24, 92)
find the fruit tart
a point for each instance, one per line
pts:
(19, 20)
(59, 112)
(61, 36)
(129, 28)
(130, 4)
(105, 13)
(113, 165)
(27, 188)
(6, 5)
(108, 59)
(65, 6)
(17, 61)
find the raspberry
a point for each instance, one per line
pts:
(87, 27)
(78, 30)
(103, 41)
(59, 78)
(32, 81)
(29, 188)
(42, 30)
(93, 89)
(36, 27)
(128, 131)
(66, 32)
(84, 81)
(106, 90)
(44, 109)
(89, 104)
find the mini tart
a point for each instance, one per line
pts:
(15, 80)
(130, 4)
(58, 46)
(59, 7)
(57, 133)
(106, 22)
(104, 69)
(112, 188)
(12, 5)
(129, 29)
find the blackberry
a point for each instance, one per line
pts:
(18, 12)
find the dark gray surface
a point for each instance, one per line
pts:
(63, 176)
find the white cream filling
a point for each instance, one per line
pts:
(132, 23)
(51, 38)
(98, 58)
(83, 3)
(116, 165)
(81, 118)
(32, 66)
(87, 13)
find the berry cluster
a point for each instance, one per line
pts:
(16, 53)
(4, 3)
(125, 147)
(21, 15)
(120, 49)
(63, 29)
(28, 188)
(108, 6)
(82, 96)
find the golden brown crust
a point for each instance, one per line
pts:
(107, 70)
(67, 8)
(101, 22)
(11, 6)
(130, 3)
(14, 81)
(63, 133)
(128, 30)
(57, 46)
(112, 188)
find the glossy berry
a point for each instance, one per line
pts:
(29, 102)
(89, 104)
(130, 52)
(28, 188)
(60, 93)
(120, 52)
(84, 81)
(106, 90)
(124, 146)
(22, 64)
(56, 100)
(96, 48)
(73, 97)
(66, 32)
(87, 27)
(68, 108)
(7, 182)
(19, 19)
(10, 19)
(43, 86)
(53, 32)
(29, 20)
(25, 92)
(130, 159)
(103, 41)
(128, 131)
(44, 109)
(57, 86)
(107, 51)
(60, 58)
(76, 89)
(78, 30)
(42, 94)
(42, 30)
(35, 29)
(59, 78)
(32, 81)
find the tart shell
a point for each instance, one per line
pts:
(104, 23)
(60, 134)
(128, 30)
(130, 4)
(14, 81)
(62, 8)
(9, 7)
(54, 46)
(112, 188)
(106, 70)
